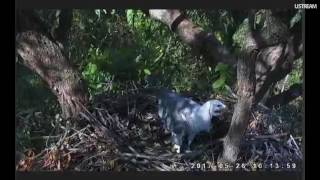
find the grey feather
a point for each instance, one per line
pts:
(185, 118)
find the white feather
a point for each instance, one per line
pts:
(185, 117)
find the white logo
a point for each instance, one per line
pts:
(305, 6)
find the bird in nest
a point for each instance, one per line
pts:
(185, 118)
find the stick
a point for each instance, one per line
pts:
(284, 82)
(44, 137)
(297, 147)
(275, 136)
(140, 156)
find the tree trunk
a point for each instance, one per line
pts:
(272, 56)
(269, 55)
(278, 62)
(200, 41)
(279, 47)
(273, 63)
(43, 56)
(242, 111)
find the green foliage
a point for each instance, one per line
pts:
(239, 37)
(147, 71)
(131, 14)
(98, 81)
(222, 23)
(296, 76)
(98, 12)
(138, 21)
(129, 46)
(112, 48)
(160, 52)
(225, 77)
(296, 18)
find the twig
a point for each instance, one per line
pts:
(158, 168)
(134, 161)
(267, 152)
(91, 157)
(134, 85)
(133, 150)
(104, 120)
(44, 137)
(60, 142)
(264, 107)
(141, 156)
(233, 95)
(254, 117)
(49, 138)
(41, 153)
(167, 168)
(80, 132)
(297, 147)
(274, 136)
(284, 83)
(79, 143)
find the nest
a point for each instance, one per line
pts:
(124, 133)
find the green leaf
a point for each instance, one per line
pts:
(221, 67)
(130, 16)
(97, 11)
(219, 36)
(92, 68)
(219, 83)
(297, 17)
(81, 25)
(138, 58)
(99, 86)
(147, 71)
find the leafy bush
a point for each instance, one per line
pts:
(225, 78)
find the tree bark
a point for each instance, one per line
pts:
(280, 60)
(241, 115)
(43, 56)
(277, 55)
(274, 60)
(268, 58)
(200, 41)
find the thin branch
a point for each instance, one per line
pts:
(201, 42)
(285, 97)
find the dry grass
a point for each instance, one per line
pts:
(124, 134)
